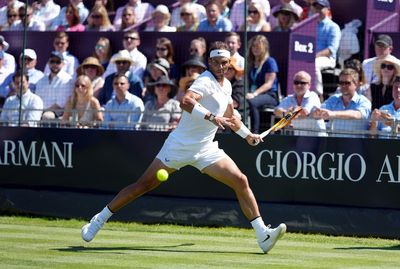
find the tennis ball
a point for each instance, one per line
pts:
(162, 175)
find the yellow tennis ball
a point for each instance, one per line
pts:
(162, 175)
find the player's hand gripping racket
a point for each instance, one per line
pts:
(281, 123)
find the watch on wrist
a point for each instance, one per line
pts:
(211, 117)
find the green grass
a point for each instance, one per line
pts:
(43, 243)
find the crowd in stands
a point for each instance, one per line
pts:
(127, 90)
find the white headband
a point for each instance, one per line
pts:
(220, 53)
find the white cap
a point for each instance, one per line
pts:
(30, 53)
(162, 9)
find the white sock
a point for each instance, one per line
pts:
(259, 227)
(105, 214)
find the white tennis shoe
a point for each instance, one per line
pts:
(271, 237)
(90, 230)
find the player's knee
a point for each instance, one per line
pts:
(242, 181)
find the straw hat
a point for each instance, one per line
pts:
(91, 61)
(389, 59)
(122, 55)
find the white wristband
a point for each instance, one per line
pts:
(199, 111)
(243, 131)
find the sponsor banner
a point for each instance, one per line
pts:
(303, 48)
(286, 169)
(388, 5)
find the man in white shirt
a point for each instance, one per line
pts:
(142, 10)
(31, 105)
(45, 11)
(29, 59)
(55, 88)
(130, 42)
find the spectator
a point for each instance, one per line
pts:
(383, 47)
(4, 11)
(198, 47)
(262, 76)
(224, 7)
(8, 60)
(380, 91)
(384, 118)
(193, 68)
(61, 44)
(256, 21)
(189, 18)
(108, 4)
(103, 51)
(82, 108)
(12, 19)
(143, 12)
(177, 20)
(290, 5)
(348, 105)
(286, 18)
(237, 16)
(165, 49)
(54, 88)
(235, 76)
(29, 60)
(32, 105)
(128, 20)
(61, 19)
(232, 39)
(45, 11)
(214, 21)
(357, 66)
(123, 61)
(327, 43)
(159, 20)
(5, 79)
(157, 68)
(124, 109)
(92, 68)
(130, 43)
(72, 20)
(98, 20)
(308, 100)
(307, 10)
(163, 112)
(32, 24)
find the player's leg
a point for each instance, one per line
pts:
(147, 182)
(227, 172)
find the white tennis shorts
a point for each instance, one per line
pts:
(177, 156)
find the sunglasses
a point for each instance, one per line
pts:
(12, 15)
(99, 47)
(389, 67)
(122, 62)
(80, 85)
(54, 62)
(253, 12)
(96, 16)
(161, 49)
(90, 66)
(185, 14)
(127, 15)
(297, 82)
(131, 38)
(344, 83)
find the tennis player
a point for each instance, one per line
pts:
(207, 106)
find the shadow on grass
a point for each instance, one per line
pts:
(395, 247)
(168, 248)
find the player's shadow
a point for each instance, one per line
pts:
(394, 247)
(166, 248)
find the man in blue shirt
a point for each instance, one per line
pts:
(328, 39)
(214, 21)
(347, 111)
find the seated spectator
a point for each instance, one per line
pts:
(29, 60)
(8, 60)
(123, 61)
(357, 66)
(124, 109)
(384, 118)
(130, 43)
(160, 20)
(143, 12)
(308, 100)
(262, 77)
(192, 69)
(232, 39)
(12, 19)
(256, 21)
(92, 68)
(177, 19)
(55, 88)
(5, 79)
(32, 105)
(163, 112)
(72, 20)
(98, 20)
(235, 76)
(348, 105)
(189, 18)
(286, 18)
(224, 6)
(214, 21)
(45, 11)
(198, 47)
(380, 91)
(128, 20)
(61, 44)
(61, 19)
(4, 11)
(237, 14)
(31, 23)
(165, 49)
(290, 5)
(108, 4)
(327, 42)
(156, 69)
(103, 51)
(82, 108)
(383, 47)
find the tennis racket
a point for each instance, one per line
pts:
(281, 123)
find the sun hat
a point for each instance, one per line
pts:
(91, 61)
(164, 80)
(161, 64)
(4, 43)
(122, 55)
(195, 61)
(163, 9)
(29, 53)
(286, 8)
(390, 59)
